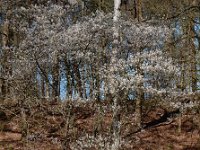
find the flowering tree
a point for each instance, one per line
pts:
(129, 60)
(114, 55)
(73, 53)
(42, 43)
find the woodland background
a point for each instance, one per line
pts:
(112, 55)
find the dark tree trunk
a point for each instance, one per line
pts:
(56, 80)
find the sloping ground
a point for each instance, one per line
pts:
(87, 125)
(166, 136)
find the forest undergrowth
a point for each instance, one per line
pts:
(43, 124)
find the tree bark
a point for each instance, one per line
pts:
(5, 62)
(193, 61)
(69, 79)
(139, 99)
(78, 79)
(56, 80)
(116, 108)
(138, 10)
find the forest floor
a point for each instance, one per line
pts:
(43, 125)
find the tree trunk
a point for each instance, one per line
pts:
(193, 61)
(69, 79)
(79, 80)
(42, 87)
(139, 99)
(138, 10)
(56, 80)
(5, 63)
(91, 79)
(116, 108)
(96, 83)
(47, 90)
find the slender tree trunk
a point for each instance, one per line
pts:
(198, 65)
(135, 9)
(69, 79)
(183, 84)
(86, 77)
(5, 63)
(42, 87)
(56, 80)
(47, 90)
(138, 10)
(99, 4)
(73, 85)
(69, 76)
(116, 108)
(139, 99)
(96, 83)
(193, 61)
(91, 79)
(77, 75)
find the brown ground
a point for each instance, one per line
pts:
(49, 126)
